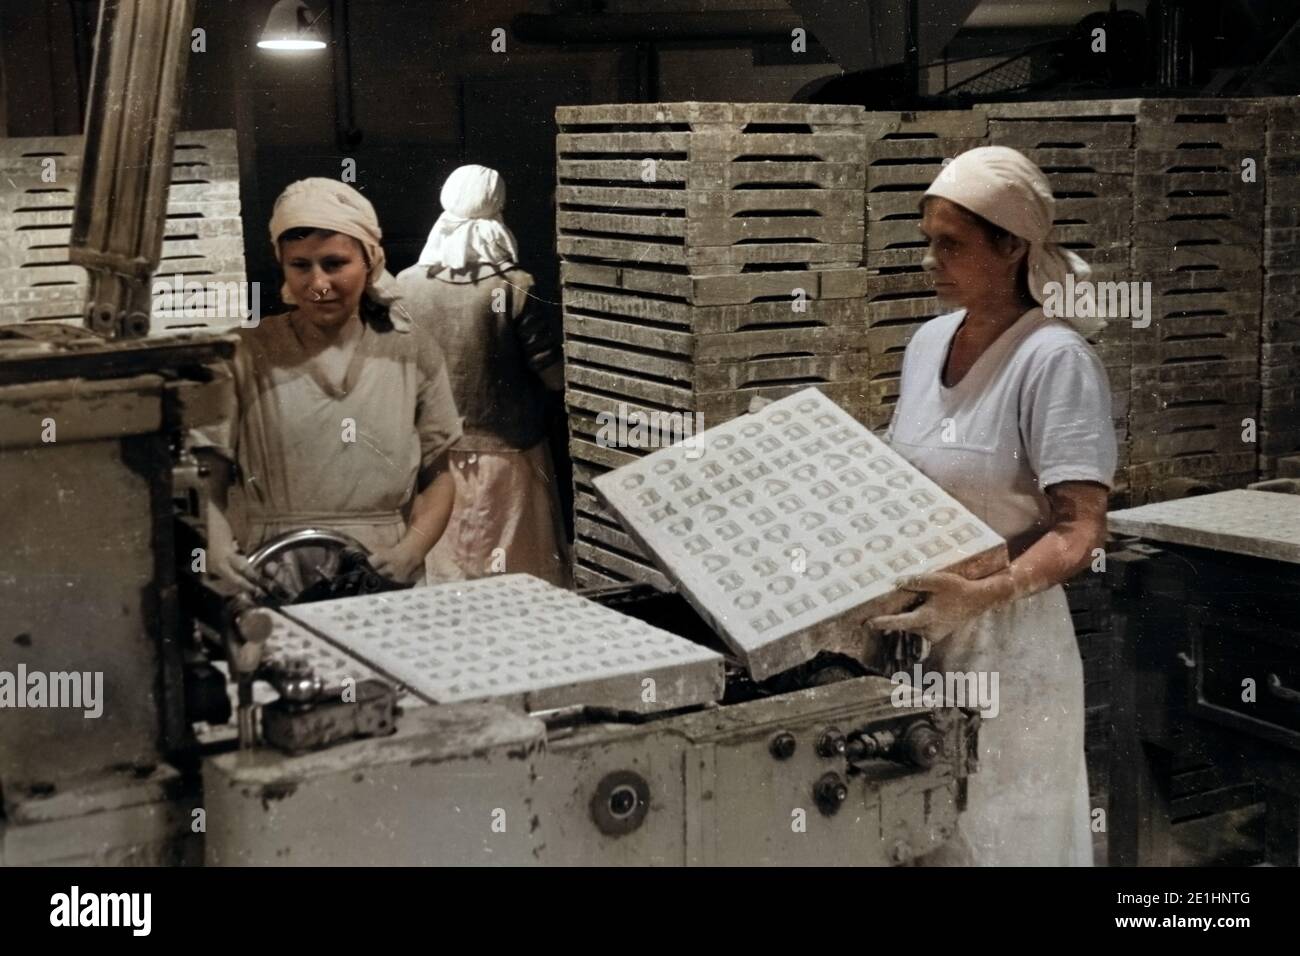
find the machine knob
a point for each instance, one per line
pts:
(831, 743)
(860, 748)
(782, 745)
(923, 745)
(620, 803)
(301, 688)
(865, 746)
(830, 792)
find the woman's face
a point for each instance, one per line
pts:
(967, 265)
(327, 275)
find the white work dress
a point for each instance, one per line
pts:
(312, 453)
(1033, 411)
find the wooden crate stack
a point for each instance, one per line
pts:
(904, 154)
(203, 239)
(1086, 149)
(1279, 413)
(711, 253)
(1197, 238)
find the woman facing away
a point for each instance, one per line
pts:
(468, 291)
(343, 411)
(1008, 410)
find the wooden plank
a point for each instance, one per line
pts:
(1191, 416)
(653, 369)
(896, 232)
(718, 259)
(713, 204)
(1209, 395)
(706, 113)
(1207, 439)
(712, 145)
(1054, 159)
(1186, 207)
(885, 124)
(919, 309)
(905, 151)
(584, 577)
(1228, 258)
(1243, 233)
(714, 348)
(1100, 110)
(616, 305)
(1061, 135)
(883, 260)
(716, 407)
(699, 176)
(1198, 350)
(1151, 474)
(711, 232)
(738, 289)
(623, 566)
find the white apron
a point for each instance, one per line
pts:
(1033, 410)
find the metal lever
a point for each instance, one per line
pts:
(121, 210)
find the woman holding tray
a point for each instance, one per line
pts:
(1009, 411)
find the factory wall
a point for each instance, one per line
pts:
(428, 94)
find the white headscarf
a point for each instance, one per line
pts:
(1009, 190)
(319, 203)
(470, 231)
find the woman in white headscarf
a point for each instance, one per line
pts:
(504, 356)
(344, 415)
(1008, 409)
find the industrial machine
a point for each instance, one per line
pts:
(151, 712)
(501, 720)
(1207, 653)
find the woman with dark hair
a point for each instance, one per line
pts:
(1008, 409)
(344, 412)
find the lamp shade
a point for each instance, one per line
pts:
(291, 26)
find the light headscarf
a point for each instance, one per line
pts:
(471, 232)
(1009, 190)
(319, 203)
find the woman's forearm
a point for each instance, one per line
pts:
(219, 537)
(430, 512)
(1078, 528)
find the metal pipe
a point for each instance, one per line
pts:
(345, 131)
(654, 27)
(912, 49)
(141, 50)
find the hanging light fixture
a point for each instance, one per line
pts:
(291, 26)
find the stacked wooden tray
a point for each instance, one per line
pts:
(1279, 412)
(689, 352)
(1086, 149)
(711, 188)
(203, 241)
(711, 253)
(904, 154)
(1198, 240)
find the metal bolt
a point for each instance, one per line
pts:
(783, 745)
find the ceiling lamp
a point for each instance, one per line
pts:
(291, 26)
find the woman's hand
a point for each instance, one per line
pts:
(401, 562)
(951, 602)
